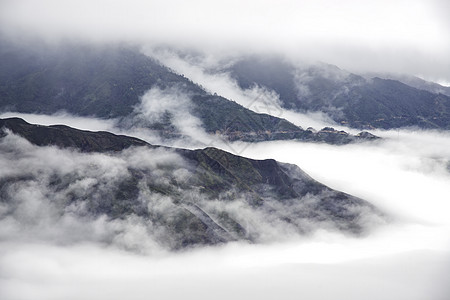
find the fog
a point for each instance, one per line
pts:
(383, 36)
(210, 72)
(131, 200)
(86, 273)
(171, 107)
(406, 175)
(412, 167)
(50, 251)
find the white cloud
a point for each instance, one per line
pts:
(86, 272)
(171, 107)
(407, 172)
(408, 36)
(407, 175)
(207, 70)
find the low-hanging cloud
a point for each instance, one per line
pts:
(87, 272)
(211, 73)
(64, 197)
(356, 36)
(166, 113)
(46, 254)
(51, 255)
(208, 71)
(52, 193)
(403, 159)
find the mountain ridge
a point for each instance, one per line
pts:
(201, 201)
(109, 82)
(349, 99)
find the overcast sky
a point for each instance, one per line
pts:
(403, 35)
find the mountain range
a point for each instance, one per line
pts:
(196, 191)
(110, 82)
(179, 197)
(349, 99)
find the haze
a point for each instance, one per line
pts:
(383, 36)
(407, 174)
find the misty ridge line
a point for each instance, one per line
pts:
(286, 88)
(236, 150)
(142, 94)
(129, 234)
(242, 127)
(175, 198)
(75, 211)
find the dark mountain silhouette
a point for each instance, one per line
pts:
(348, 98)
(282, 191)
(109, 81)
(414, 81)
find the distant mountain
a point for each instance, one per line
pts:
(347, 98)
(109, 81)
(199, 189)
(414, 82)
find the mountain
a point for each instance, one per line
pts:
(184, 197)
(347, 98)
(414, 82)
(110, 82)
(67, 137)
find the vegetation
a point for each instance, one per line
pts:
(282, 191)
(348, 98)
(108, 82)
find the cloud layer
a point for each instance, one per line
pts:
(46, 255)
(51, 256)
(400, 36)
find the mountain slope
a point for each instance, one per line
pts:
(348, 98)
(110, 81)
(65, 137)
(414, 82)
(103, 81)
(184, 197)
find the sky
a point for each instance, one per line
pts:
(382, 36)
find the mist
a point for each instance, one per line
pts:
(210, 72)
(72, 256)
(166, 110)
(52, 251)
(404, 159)
(112, 275)
(403, 37)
